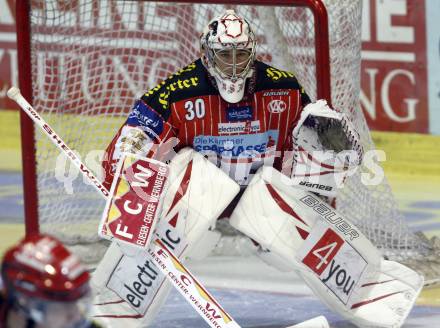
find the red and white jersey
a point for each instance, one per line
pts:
(237, 137)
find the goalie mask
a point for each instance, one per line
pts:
(46, 284)
(228, 47)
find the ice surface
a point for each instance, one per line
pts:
(258, 296)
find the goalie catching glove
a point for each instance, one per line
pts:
(333, 129)
(326, 149)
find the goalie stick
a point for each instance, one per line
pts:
(191, 289)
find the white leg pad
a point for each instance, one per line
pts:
(333, 257)
(129, 287)
(264, 214)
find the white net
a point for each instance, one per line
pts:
(92, 59)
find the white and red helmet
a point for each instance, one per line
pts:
(228, 46)
(46, 283)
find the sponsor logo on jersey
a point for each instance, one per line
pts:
(276, 106)
(275, 93)
(188, 68)
(242, 113)
(167, 87)
(174, 86)
(235, 146)
(239, 127)
(146, 118)
(276, 74)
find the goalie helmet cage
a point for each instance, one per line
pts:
(83, 63)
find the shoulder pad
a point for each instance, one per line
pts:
(188, 82)
(269, 77)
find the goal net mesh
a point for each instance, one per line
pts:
(92, 59)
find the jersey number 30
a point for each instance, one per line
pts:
(195, 109)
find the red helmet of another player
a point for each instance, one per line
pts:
(40, 266)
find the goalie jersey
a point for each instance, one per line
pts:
(186, 110)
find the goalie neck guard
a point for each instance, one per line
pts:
(228, 46)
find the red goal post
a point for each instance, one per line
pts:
(82, 64)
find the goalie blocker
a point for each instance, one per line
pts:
(331, 254)
(326, 149)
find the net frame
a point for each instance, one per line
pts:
(398, 242)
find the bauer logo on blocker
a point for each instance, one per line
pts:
(277, 106)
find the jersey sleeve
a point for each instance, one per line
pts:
(150, 114)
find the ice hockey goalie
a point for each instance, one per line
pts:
(257, 124)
